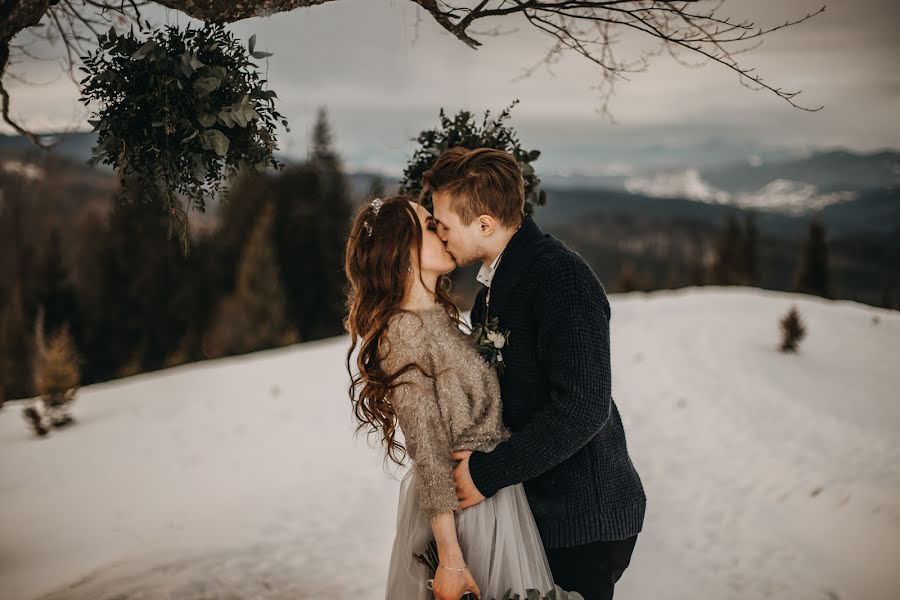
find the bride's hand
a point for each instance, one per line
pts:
(451, 585)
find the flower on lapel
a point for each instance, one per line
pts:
(497, 339)
(490, 340)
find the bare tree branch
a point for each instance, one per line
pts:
(229, 11)
(586, 27)
(15, 16)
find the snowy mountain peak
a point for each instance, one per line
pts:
(678, 184)
(780, 195)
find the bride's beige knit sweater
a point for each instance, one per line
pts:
(459, 409)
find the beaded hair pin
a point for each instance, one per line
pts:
(375, 206)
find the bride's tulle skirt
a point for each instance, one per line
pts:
(498, 537)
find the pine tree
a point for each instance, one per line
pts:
(19, 347)
(630, 279)
(673, 276)
(750, 254)
(137, 320)
(792, 330)
(376, 188)
(92, 232)
(313, 216)
(326, 160)
(728, 262)
(254, 316)
(17, 254)
(887, 295)
(55, 292)
(697, 273)
(322, 142)
(697, 268)
(812, 275)
(309, 234)
(4, 355)
(182, 354)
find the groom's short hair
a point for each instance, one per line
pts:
(483, 181)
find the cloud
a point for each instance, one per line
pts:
(384, 78)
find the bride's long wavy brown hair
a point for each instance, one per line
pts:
(378, 268)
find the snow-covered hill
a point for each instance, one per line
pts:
(768, 475)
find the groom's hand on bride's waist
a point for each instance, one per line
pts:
(466, 492)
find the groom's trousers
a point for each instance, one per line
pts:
(592, 569)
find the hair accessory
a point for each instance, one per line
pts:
(375, 205)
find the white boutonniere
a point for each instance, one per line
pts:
(491, 340)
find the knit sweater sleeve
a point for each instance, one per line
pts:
(419, 416)
(572, 345)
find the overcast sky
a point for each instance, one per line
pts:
(383, 80)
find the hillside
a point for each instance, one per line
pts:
(768, 475)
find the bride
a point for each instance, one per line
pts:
(417, 370)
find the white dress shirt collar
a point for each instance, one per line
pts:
(486, 272)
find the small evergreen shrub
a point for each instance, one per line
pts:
(792, 330)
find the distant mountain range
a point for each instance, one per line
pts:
(798, 186)
(655, 220)
(870, 211)
(853, 191)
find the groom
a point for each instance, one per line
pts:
(567, 445)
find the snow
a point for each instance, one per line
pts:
(677, 184)
(23, 169)
(779, 195)
(768, 475)
(791, 197)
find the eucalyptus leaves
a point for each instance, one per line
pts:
(178, 111)
(462, 131)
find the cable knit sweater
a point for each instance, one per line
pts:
(567, 442)
(459, 409)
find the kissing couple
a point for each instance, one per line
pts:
(520, 469)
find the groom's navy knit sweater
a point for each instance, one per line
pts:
(567, 445)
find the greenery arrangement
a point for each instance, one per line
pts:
(179, 110)
(429, 558)
(462, 130)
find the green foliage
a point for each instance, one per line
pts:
(179, 111)
(462, 130)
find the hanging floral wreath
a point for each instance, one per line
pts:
(462, 130)
(179, 111)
